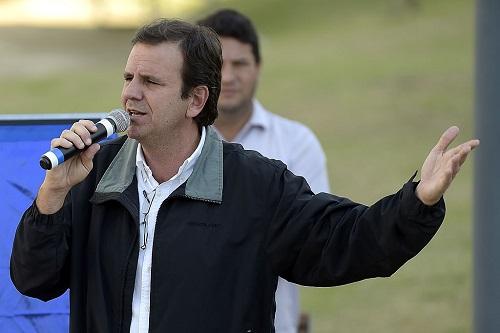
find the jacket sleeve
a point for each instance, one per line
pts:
(325, 240)
(39, 260)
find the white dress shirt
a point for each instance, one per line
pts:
(297, 146)
(151, 196)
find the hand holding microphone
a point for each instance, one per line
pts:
(116, 121)
(80, 142)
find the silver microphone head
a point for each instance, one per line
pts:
(121, 119)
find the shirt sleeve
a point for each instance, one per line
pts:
(308, 160)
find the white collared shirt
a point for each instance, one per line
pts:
(297, 146)
(288, 141)
(151, 196)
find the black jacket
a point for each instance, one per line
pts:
(221, 240)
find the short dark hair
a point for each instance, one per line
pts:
(202, 54)
(230, 23)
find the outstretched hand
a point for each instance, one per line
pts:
(441, 166)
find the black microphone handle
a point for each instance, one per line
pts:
(67, 153)
(94, 137)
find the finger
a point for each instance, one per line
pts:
(60, 142)
(473, 143)
(446, 138)
(88, 155)
(466, 150)
(455, 165)
(74, 138)
(464, 147)
(447, 173)
(456, 151)
(83, 132)
(463, 150)
(88, 124)
(460, 157)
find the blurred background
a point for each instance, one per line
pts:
(376, 80)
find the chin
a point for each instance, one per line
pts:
(131, 133)
(229, 108)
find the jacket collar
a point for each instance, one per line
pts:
(205, 183)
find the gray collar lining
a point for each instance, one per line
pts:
(205, 183)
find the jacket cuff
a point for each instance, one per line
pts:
(417, 210)
(45, 219)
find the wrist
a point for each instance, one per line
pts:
(426, 199)
(50, 198)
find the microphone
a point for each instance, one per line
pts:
(117, 120)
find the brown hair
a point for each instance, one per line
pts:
(230, 23)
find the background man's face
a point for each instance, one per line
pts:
(240, 73)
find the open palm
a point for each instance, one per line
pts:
(441, 166)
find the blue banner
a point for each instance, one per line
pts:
(21, 146)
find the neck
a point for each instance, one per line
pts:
(165, 159)
(230, 123)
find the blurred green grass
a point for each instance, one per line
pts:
(378, 81)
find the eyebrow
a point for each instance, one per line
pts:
(143, 76)
(240, 60)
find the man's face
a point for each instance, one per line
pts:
(240, 73)
(152, 91)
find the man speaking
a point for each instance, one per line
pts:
(169, 229)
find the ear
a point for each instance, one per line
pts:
(198, 96)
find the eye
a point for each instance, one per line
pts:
(240, 63)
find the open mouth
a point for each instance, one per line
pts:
(134, 113)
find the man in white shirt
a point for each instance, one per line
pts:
(244, 120)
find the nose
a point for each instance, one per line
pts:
(131, 90)
(227, 74)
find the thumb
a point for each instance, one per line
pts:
(446, 138)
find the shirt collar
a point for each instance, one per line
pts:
(258, 120)
(147, 175)
(259, 117)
